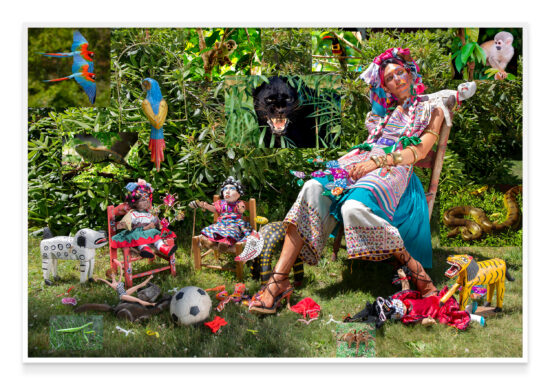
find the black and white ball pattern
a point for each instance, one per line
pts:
(190, 305)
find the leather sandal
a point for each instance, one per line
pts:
(285, 294)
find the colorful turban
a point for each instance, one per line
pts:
(373, 77)
(139, 190)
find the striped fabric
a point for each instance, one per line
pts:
(386, 189)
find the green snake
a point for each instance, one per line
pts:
(470, 230)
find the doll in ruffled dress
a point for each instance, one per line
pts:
(141, 227)
(230, 228)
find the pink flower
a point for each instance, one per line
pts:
(339, 173)
(318, 174)
(164, 223)
(169, 200)
(141, 182)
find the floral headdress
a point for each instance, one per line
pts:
(139, 190)
(375, 79)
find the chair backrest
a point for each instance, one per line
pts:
(434, 159)
(250, 206)
(112, 213)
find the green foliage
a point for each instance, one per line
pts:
(66, 93)
(468, 52)
(286, 51)
(488, 131)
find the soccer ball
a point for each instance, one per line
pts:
(190, 305)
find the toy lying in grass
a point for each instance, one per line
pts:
(123, 294)
(492, 273)
(133, 311)
(79, 248)
(408, 306)
(470, 230)
(356, 337)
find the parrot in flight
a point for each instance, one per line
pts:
(94, 151)
(79, 47)
(155, 109)
(338, 51)
(83, 76)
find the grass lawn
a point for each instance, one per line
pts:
(339, 287)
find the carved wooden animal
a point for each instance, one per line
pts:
(356, 337)
(469, 273)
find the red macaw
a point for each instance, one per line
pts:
(79, 47)
(83, 76)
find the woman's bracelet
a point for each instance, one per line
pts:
(397, 157)
(415, 154)
(433, 133)
(376, 159)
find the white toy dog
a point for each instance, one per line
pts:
(81, 247)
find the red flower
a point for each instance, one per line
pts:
(169, 200)
(164, 223)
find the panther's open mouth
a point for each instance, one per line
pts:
(278, 125)
(453, 270)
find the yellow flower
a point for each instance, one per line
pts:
(337, 191)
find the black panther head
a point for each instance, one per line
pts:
(276, 103)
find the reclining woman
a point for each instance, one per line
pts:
(381, 202)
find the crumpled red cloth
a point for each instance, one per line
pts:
(216, 324)
(307, 307)
(420, 308)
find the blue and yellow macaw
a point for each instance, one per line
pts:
(79, 47)
(155, 108)
(83, 76)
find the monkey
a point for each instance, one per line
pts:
(499, 52)
(223, 50)
(218, 55)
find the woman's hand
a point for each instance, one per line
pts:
(361, 169)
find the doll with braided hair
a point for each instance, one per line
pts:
(230, 228)
(140, 226)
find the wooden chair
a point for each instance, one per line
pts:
(131, 255)
(433, 161)
(239, 246)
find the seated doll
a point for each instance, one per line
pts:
(230, 228)
(140, 225)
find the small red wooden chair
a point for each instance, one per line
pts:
(131, 255)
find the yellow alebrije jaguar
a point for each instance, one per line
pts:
(469, 273)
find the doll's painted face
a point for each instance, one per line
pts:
(397, 81)
(142, 204)
(230, 193)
